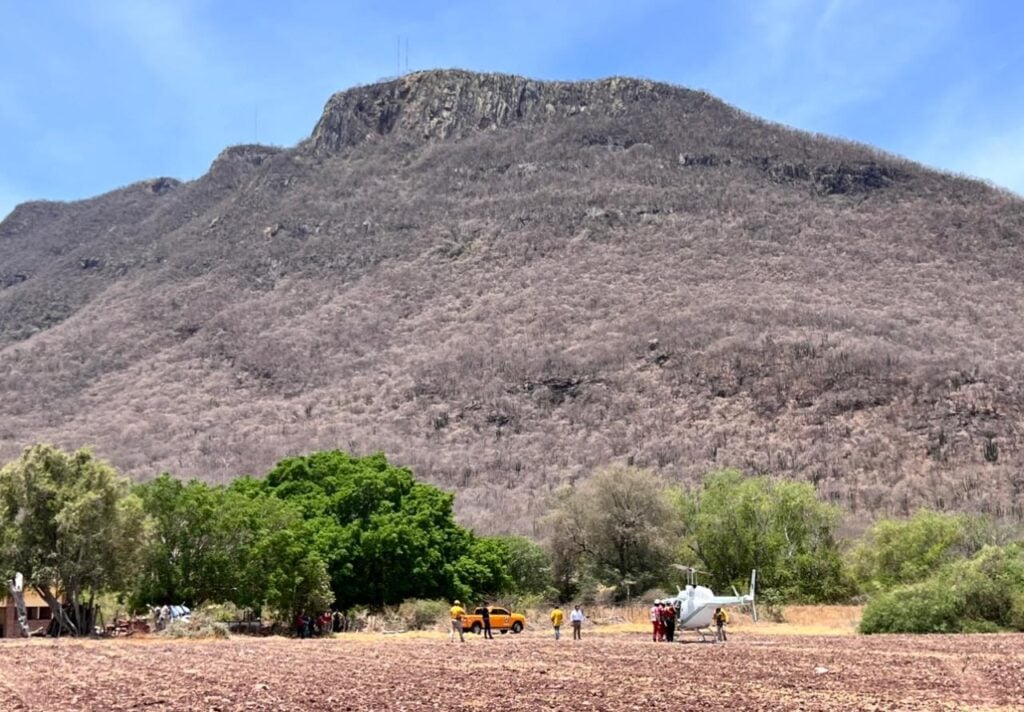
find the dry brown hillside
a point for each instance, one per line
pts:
(506, 283)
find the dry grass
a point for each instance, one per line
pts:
(796, 620)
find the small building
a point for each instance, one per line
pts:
(36, 609)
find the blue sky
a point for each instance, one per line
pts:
(97, 94)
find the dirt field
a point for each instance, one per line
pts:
(618, 671)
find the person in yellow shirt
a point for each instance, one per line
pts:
(556, 621)
(457, 614)
(720, 618)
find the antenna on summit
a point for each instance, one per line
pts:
(399, 40)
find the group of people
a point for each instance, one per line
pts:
(576, 618)
(458, 613)
(664, 615)
(306, 626)
(663, 621)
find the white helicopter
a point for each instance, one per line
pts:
(695, 605)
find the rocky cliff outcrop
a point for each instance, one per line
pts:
(445, 104)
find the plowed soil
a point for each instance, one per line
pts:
(526, 672)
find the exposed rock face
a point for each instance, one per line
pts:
(834, 179)
(443, 104)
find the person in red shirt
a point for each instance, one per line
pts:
(656, 620)
(668, 621)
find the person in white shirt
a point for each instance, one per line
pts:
(576, 617)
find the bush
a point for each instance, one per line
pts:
(528, 602)
(976, 626)
(896, 552)
(199, 625)
(734, 524)
(980, 595)
(1017, 611)
(221, 612)
(929, 607)
(652, 595)
(418, 614)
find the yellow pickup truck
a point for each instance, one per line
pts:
(501, 619)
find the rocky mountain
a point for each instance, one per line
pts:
(506, 284)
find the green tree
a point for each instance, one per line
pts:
(529, 565)
(980, 594)
(734, 524)
(236, 544)
(70, 525)
(923, 607)
(619, 525)
(287, 573)
(902, 551)
(195, 552)
(482, 570)
(384, 536)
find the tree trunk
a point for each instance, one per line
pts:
(59, 614)
(18, 596)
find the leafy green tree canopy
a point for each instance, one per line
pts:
(529, 566)
(70, 525)
(982, 594)
(734, 524)
(237, 544)
(384, 536)
(894, 552)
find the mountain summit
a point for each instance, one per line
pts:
(446, 104)
(507, 283)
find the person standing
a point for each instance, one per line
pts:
(576, 618)
(556, 621)
(486, 616)
(668, 621)
(457, 613)
(720, 618)
(655, 620)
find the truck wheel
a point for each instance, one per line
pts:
(517, 627)
(475, 630)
